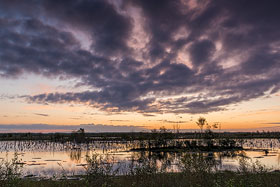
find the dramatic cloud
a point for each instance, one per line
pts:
(147, 56)
(201, 52)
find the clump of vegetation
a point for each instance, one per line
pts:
(99, 168)
(197, 163)
(10, 171)
(98, 165)
(208, 140)
(143, 166)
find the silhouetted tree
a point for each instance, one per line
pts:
(201, 122)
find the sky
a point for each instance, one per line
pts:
(140, 63)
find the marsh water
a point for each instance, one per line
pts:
(47, 159)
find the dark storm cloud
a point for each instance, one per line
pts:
(201, 52)
(163, 18)
(108, 28)
(233, 49)
(28, 45)
(261, 62)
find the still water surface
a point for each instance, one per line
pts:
(47, 159)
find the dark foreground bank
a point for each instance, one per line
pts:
(164, 179)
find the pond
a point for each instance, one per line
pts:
(48, 159)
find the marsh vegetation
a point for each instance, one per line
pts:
(158, 158)
(196, 170)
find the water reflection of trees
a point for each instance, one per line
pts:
(76, 155)
(172, 161)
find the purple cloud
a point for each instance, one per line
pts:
(230, 48)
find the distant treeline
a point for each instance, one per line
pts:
(124, 136)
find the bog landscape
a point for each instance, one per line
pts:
(152, 93)
(161, 157)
